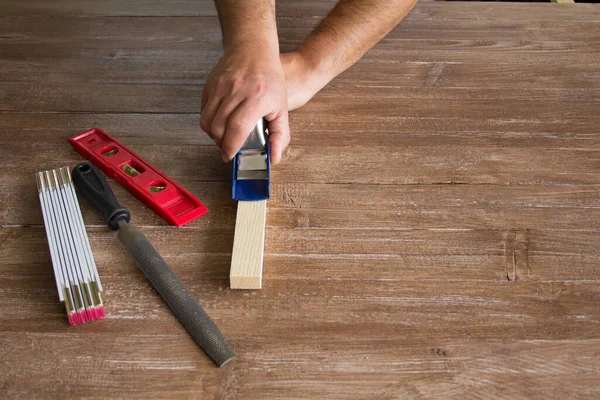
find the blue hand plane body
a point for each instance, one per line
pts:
(251, 177)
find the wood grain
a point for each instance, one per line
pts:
(396, 255)
(248, 245)
(433, 231)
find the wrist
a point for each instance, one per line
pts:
(319, 69)
(303, 78)
(258, 46)
(313, 71)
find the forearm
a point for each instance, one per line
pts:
(248, 24)
(349, 31)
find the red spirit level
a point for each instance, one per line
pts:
(152, 187)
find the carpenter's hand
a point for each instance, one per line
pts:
(245, 86)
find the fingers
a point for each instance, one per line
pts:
(222, 118)
(204, 98)
(208, 113)
(230, 121)
(241, 123)
(279, 135)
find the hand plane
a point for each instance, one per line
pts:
(252, 166)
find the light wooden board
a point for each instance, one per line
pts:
(248, 245)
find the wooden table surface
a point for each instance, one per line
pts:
(433, 231)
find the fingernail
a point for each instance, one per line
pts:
(225, 158)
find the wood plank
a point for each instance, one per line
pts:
(248, 245)
(338, 254)
(175, 62)
(468, 74)
(411, 102)
(385, 165)
(384, 161)
(456, 206)
(293, 28)
(181, 67)
(163, 129)
(456, 11)
(480, 34)
(335, 369)
(166, 365)
(355, 369)
(558, 256)
(333, 206)
(304, 309)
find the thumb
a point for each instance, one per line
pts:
(279, 134)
